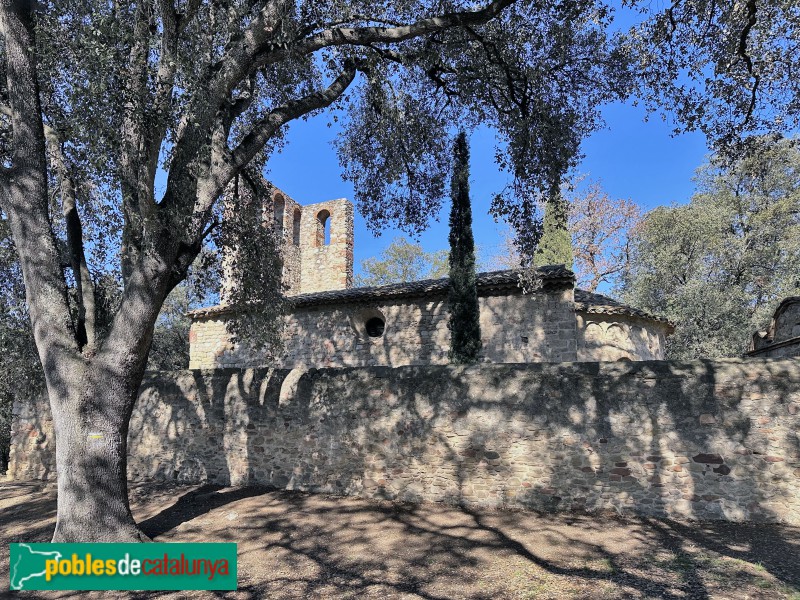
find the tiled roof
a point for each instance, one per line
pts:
(592, 303)
(487, 284)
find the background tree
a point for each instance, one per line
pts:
(99, 98)
(402, 261)
(555, 245)
(20, 372)
(465, 317)
(504, 256)
(600, 228)
(718, 266)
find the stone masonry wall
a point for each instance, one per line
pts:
(782, 340)
(326, 266)
(699, 439)
(536, 327)
(288, 217)
(619, 337)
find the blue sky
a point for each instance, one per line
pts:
(631, 158)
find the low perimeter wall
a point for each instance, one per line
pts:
(702, 439)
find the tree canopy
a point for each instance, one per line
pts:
(402, 261)
(718, 266)
(464, 320)
(724, 68)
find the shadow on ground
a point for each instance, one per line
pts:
(298, 545)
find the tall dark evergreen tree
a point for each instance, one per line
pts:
(465, 328)
(555, 245)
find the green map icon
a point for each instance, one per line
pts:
(28, 564)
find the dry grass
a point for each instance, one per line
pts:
(295, 545)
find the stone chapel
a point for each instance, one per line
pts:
(333, 324)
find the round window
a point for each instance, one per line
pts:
(375, 327)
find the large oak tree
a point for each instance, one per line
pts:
(124, 123)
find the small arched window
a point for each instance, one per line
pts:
(323, 228)
(280, 207)
(296, 227)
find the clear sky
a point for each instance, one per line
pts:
(632, 158)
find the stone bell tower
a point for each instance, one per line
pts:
(317, 244)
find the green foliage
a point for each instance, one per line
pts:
(724, 68)
(20, 370)
(718, 266)
(402, 261)
(464, 323)
(170, 348)
(555, 245)
(252, 265)
(536, 74)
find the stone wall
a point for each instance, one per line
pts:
(536, 327)
(782, 338)
(700, 439)
(619, 337)
(326, 266)
(288, 218)
(32, 450)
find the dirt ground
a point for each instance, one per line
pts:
(296, 545)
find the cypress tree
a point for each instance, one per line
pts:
(464, 324)
(555, 245)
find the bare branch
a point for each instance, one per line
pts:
(748, 61)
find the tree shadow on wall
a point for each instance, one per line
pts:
(198, 413)
(687, 450)
(461, 434)
(640, 453)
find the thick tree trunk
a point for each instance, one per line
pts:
(92, 486)
(92, 400)
(91, 427)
